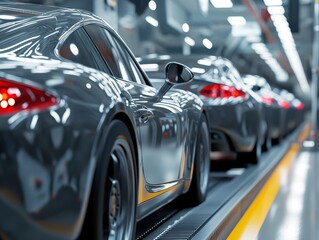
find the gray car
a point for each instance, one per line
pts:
(87, 145)
(234, 114)
(274, 111)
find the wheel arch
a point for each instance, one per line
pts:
(117, 113)
(127, 121)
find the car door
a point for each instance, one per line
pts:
(160, 120)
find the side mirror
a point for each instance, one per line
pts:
(176, 73)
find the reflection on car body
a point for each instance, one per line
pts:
(87, 144)
(234, 113)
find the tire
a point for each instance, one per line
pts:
(198, 189)
(267, 144)
(111, 212)
(276, 141)
(253, 156)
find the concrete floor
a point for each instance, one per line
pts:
(295, 212)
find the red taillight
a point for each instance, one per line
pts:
(221, 91)
(15, 97)
(284, 104)
(299, 105)
(268, 100)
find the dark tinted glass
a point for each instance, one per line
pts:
(103, 42)
(78, 48)
(132, 68)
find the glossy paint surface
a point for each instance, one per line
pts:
(237, 118)
(48, 157)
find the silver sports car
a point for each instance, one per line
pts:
(87, 144)
(234, 114)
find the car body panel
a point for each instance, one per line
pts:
(235, 121)
(48, 157)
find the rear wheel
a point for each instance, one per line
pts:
(267, 143)
(111, 212)
(198, 189)
(253, 156)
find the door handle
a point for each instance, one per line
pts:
(145, 114)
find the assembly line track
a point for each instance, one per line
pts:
(226, 202)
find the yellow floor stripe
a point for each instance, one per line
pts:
(251, 222)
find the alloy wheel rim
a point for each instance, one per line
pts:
(204, 171)
(117, 199)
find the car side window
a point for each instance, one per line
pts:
(78, 48)
(106, 46)
(131, 64)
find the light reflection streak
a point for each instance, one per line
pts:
(49, 35)
(70, 72)
(66, 115)
(56, 116)
(19, 43)
(34, 122)
(294, 208)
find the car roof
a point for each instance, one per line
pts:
(41, 20)
(32, 9)
(27, 12)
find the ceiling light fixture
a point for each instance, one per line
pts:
(152, 5)
(207, 43)
(236, 20)
(205, 62)
(152, 67)
(274, 10)
(189, 41)
(278, 18)
(273, 2)
(222, 3)
(263, 52)
(185, 27)
(151, 21)
(198, 70)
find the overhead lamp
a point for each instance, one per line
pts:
(164, 57)
(289, 46)
(273, 2)
(152, 55)
(282, 28)
(203, 6)
(282, 77)
(253, 38)
(285, 36)
(205, 61)
(207, 43)
(275, 10)
(261, 50)
(280, 24)
(152, 67)
(185, 27)
(236, 20)
(152, 5)
(266, 55)
(259, 46)
(278, 18)
(222, 3)
(151, 21)
(189, 41)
